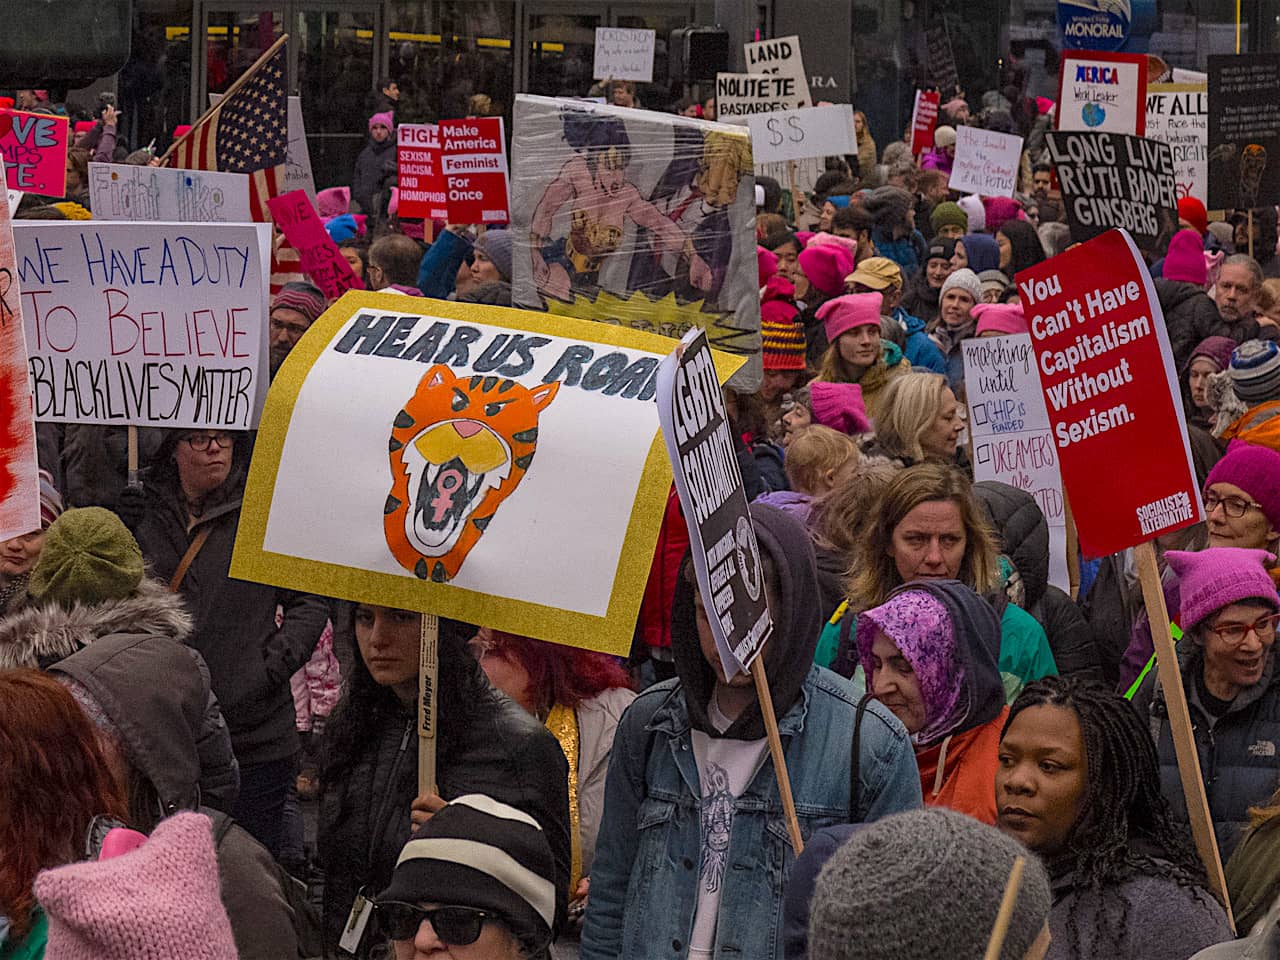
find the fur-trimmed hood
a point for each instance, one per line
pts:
(40, 635)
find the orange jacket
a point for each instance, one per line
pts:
(960, 772)
(1260, 425)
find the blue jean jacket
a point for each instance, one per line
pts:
(646, 870)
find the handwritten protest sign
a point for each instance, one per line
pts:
(318, 256)
(473, 160)
(924, 117)
(623, 54)
(422, 191)
(1102, 91)
(986, 162)
(498, 466)
(33, 147)
(1107, 375)
(1178, 114)
(942, 62)
(1244, 130)
(799, 134)
(779, 58)
(726, 557)
(742, 94)
(1109, 180)
(1012, 438)
(19, 485)
(146, 324)
(122, 191)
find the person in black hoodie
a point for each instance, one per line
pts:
(1024, 536)
(693, 851)
(487, 744)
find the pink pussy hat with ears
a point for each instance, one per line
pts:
(1001, 318)
(160, 901)
(839, 406)
(841, 314)
(1218, 577)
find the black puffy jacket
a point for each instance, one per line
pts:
(1190, 315)
(1024, 534)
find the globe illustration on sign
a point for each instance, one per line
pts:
(1093, 115)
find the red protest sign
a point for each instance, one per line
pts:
(34, 148)
(319, 257)
(923, 119)
(422, 190)
(473, 158)
(1107, 374)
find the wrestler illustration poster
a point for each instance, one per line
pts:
(502, 467)
(641, 219)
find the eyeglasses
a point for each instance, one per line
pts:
(1234, 507)
(1234, 633)
(295, 329)
(456, 926)
(201, 441)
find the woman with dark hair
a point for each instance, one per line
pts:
(1078, 784)
(1020, 247)
(53, 783)
(487, 744)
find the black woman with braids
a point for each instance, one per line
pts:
(1078, 783)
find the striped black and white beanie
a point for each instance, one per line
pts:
(481, 853)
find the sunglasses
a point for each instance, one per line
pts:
(456, 926)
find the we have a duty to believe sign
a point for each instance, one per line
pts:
(1107, 374)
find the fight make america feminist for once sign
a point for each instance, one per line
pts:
(1108, 380)
(153, 324)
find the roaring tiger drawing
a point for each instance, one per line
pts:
(460, 446)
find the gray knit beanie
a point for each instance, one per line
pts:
(924, 885)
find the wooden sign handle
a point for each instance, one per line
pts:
(428, 682)
(1010, 899)
(1184, 743)
(133, 456)
(775, 750)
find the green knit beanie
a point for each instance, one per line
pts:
(89, 557)
(948, 214)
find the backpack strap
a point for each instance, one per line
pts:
(202, 535)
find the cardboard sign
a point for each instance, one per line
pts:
(1109, 180)
(1178, 114)
(1111, 393)
(942, 61)
(19, 484)
(473, 160)
(1012, 439)
(779, 58)
(924, 117)
(497, 466)
(726, 556)
(1244, 130)
(123, 191)
(623, 54)
(1102, 92)
(799, 134)
(742, 94)
(422, 191)
(34, 147)
(151, 324)
(318, 256)
(986, 162)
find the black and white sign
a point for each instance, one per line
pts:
(800, 134)
(1244, 130)
(742, 94)
(779, 58)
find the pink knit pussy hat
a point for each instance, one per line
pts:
(160, 901)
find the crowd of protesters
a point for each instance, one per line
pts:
(192, 765)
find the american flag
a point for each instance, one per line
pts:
(248, 132)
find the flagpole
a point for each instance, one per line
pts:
(240, 82)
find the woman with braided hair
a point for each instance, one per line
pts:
(1078, 783)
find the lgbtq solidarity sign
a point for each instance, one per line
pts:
(1108, 380)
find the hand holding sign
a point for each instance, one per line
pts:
(319, 256)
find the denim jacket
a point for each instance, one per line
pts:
(644, 879)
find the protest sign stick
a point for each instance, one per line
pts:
(428, 682)
(1073, 548)
(1010, 899)
(133, 456)
(1250, 215)
(1180, 722)
(775, 750)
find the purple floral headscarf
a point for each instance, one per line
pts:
(919, 626)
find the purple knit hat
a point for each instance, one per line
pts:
(1216, 349)
(1218, 577)
(920, 627)
(1256, 471)
(157, 902)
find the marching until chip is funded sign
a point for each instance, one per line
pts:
(1107, 374)
(499, 466)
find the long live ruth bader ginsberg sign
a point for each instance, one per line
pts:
(1108, 380)
(497, 466)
